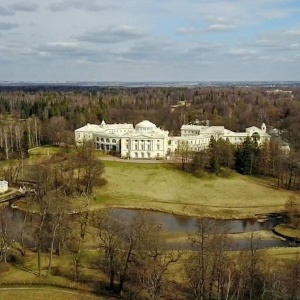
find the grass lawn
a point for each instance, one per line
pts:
(161, 187)
(9, 193)
(47, 150)
(21, 282)
(287, 230)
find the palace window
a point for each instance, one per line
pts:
(107, 140)
(114, 141)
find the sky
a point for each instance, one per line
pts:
(149, 40)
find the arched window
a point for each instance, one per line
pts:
(256, 136)
(113, 141)
(107, 140)
(102, 139)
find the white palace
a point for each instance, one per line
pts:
(147, 141)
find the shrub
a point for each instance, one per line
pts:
(16, 258)
(225, 173)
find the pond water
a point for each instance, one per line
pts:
(176, 223)
(184, 224)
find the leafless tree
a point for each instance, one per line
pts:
(206, 270)
(5, 234)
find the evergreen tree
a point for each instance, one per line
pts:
(246, 157)
(25, 144)
(214, 156)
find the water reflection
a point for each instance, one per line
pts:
(175, 223)
(183, 224)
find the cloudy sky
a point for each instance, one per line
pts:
(149, 40)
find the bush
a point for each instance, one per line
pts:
(200, 174)
(16, 258)
(57, 271)
(225, 173)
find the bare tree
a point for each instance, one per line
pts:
(185, 154)
(110, 230)
(153, 269)
(206, 268)
(57, 215)
(5, 234)
(249, 271)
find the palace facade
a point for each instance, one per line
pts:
(147, 141)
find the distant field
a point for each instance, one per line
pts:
(161, 187)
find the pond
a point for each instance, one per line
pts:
(184, 224)
(187, 225)
(177, 223)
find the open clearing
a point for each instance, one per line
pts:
(161, 187)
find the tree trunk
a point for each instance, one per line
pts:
(51, 250)
(39, 260)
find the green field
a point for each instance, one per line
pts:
(162, 187)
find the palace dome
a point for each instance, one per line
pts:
(145, 125)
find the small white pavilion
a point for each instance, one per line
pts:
(3, 186)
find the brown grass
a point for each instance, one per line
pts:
(288, 231)
(42, 293)
(156, 187)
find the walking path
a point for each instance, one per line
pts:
(135, 161)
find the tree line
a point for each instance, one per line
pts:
(248, 158)
(235, 108)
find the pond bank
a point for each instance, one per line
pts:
(177, 228)
(288, 233)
